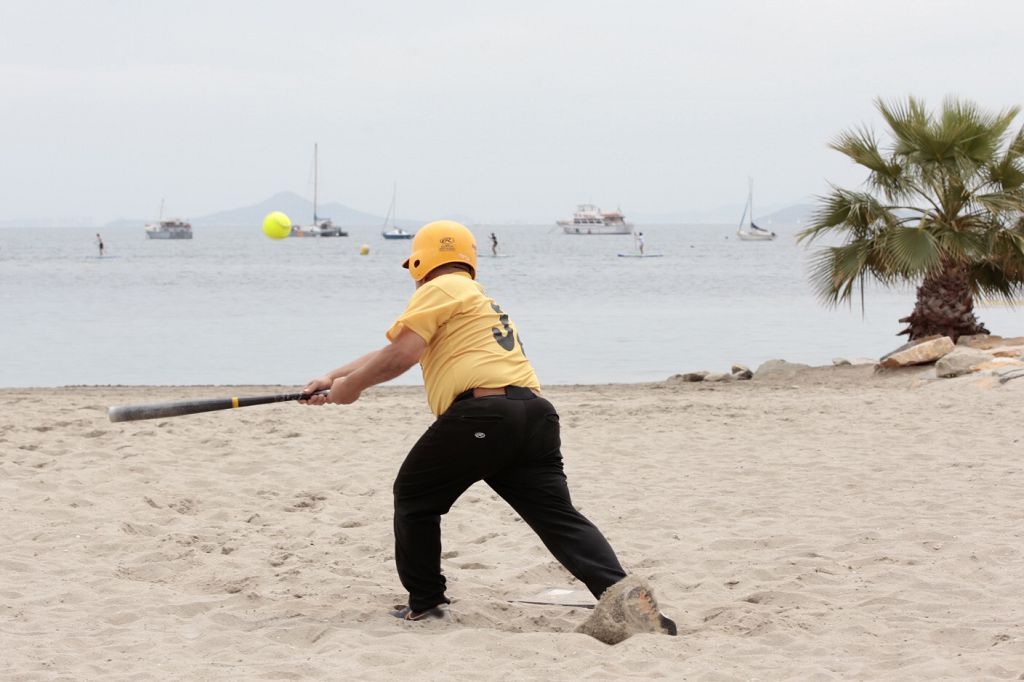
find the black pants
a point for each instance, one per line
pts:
(512, 443)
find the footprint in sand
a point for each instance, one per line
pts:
(475, 566)
(306, 502)
(484, 538)
(186, 506)
(279, 559)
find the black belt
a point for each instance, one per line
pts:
(511, 392)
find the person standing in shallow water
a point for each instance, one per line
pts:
(493, 424)
(99, 243)
(494, 245)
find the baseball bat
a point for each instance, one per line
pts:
(129, 413)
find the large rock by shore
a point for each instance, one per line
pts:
(778, 370)
(919, 353)
(981, 353)
(961, 360)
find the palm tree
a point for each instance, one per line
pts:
(942, 208)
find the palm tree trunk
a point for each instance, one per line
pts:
(944, 306)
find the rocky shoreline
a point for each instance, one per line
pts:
(980, 354)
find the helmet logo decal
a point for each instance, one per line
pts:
(447, 244)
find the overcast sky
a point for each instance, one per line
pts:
(498, 111)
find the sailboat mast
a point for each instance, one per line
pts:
(316, 179)
(750, 198)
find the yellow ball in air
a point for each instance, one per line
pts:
(277, 225)
(364, 249)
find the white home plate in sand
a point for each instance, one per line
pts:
(560, 596)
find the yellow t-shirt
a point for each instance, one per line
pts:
(471, 342)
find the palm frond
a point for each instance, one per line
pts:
(1005, 250)
(1001, 203)
(908, 252)
(862, 147)
(963, 241)
(857, 213)
(990, 280)
(976, 134)
(1016, 146)
(836, 270)
(1007, 171)
(962, 136)
(906, 120)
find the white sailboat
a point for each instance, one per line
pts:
(321, 227)
(393, 232)
(751, 232)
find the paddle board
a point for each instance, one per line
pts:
(637, 255)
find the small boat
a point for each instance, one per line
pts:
(324, 227)
(168, 229)
(393, 232)
(321, 227)
(589, 219)
(396, 233)
(751, 232)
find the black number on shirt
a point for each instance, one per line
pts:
(505, 336)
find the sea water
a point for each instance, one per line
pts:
(234, 307)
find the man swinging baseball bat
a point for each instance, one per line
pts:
(492, 424)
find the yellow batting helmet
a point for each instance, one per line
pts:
(439, 243)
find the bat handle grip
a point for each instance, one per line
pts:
(307, 396)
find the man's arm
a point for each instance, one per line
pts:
(348, 382)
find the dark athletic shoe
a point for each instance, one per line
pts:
(641, 606)
(439, 612)
(668, 626)
(625, 609)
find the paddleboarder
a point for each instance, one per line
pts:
(492, 424)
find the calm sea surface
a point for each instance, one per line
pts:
(233, 307)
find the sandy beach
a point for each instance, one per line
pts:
(837, 524)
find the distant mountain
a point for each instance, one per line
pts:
(299, 209)
(798, 215)
(795, 215)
